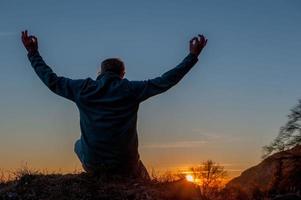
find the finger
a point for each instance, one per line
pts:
(202, 38)
(31, 38)
(24, 38)
(193, 39)
(35, 40)
(206, 42)
(26, 34)
(30, 41)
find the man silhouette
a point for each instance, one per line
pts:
(108, 108)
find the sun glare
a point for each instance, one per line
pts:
(189, 178)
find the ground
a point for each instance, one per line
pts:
(84, 186)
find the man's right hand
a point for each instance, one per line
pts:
(30, 42)
(197, 44)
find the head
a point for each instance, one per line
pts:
(114, 65)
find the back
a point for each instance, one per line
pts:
(108, 116)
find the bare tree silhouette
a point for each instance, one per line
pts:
(211, 176)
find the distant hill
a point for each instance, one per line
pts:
(278, 174)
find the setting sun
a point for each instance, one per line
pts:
(189, 178)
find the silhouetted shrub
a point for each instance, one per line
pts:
(289, 135)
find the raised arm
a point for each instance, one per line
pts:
(62, 86)
(151, 87)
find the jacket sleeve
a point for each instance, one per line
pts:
(62, 86)
(148, 88)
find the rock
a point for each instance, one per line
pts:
(278, 174)
(287, 197)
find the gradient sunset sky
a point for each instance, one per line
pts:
(229, 105)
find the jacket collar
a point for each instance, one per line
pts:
(108, 75)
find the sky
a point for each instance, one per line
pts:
(230, 104)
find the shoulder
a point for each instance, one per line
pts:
(84, 83)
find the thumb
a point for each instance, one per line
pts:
(35, 40)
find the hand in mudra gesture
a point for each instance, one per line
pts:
(29, 42)
(197, 44)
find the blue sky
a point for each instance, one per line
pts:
(229, 105)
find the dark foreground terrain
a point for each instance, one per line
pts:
(84, 186)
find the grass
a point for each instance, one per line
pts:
(28, 183)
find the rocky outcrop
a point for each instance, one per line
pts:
(278, 174)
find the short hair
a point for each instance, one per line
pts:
(114, 65)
